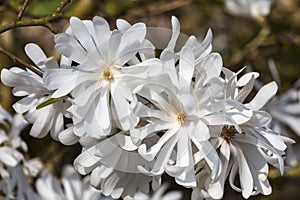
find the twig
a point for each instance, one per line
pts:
(250, 47)
(157, 8)
(22, 10)
(21, 62)
(46, 21)
(33, 22)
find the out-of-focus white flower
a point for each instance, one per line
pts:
(102, 82)
(249, 151)
(285, 111)
(49, 187)
(249, 8)
(13, 181)
(158, 195)
(10, 141)
(16, 186)
(29, 84)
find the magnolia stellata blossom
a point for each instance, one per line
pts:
(138, 114)
(10, 141)
(29, 84)
(13, 181)
(102, 82)
(16, 186)
(246, 152)
(184, 111)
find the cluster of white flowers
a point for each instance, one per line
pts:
(140, 111)
(17, 173)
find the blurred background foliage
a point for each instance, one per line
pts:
(239, 40)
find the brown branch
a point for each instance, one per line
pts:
(250, 47)
(155, 9)
(22, 10)
(33, 22)
(21, 62)
(46, 21)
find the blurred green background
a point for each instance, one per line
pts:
(231, 36)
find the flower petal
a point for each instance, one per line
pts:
(263, 96)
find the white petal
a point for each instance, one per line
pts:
(201, 131)
(25, 104)
(35, 53)
(183, 153)
(121, 106)
(103, 110)
(42, 123)
(135, 32)
(175, 33)
(122, 25)
(186, 67)
(263, 96)
(246, 78)
(245, 91)
(101, 28)
(86, 161)
(216, 189)
(246, 179)
(152, 152)
(67, 137)
(128, 52)
(260, 119)
(164, 156)
(209, 67)
(81, 33)
(68, 46)
(6, 157)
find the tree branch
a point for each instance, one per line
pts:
(21, 62)
(252, 45)
(46, 21)
(22, 10)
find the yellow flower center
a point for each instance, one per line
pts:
(228, 132)
(181, 117)
(108, 75)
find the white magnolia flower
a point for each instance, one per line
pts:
(49, 187)
(249, 8)
(10, 141)
(102, 82)
(247, 151)
(13, 181)
(182, 109)
(113, 163)
(17, 186)
(29, 84)
(285, 111)
(158, 195)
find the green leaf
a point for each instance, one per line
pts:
(47, 102)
